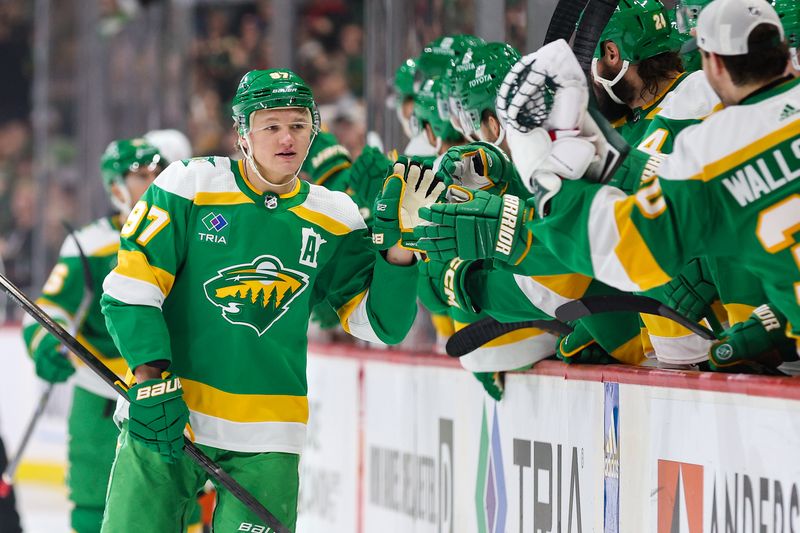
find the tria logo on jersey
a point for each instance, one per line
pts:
(216, 227)
(255, 294)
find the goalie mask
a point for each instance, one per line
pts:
(477, 88)
(641, 30)
(122, 157)
(270, 89)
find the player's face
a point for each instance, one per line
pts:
(137, 181)
(280, 140)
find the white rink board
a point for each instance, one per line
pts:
(397, 442)
(736, 456)
(328, 486)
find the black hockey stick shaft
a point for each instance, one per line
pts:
(105, 373)
(475, 335)
(7, 477)
(565, 17)
(592, 305)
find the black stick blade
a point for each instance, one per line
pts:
(475, 335)
(592, 305)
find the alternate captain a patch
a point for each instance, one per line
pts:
(255, 294)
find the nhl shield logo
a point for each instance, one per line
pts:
(255, 294)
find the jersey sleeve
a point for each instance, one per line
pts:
(632, 242)
(375, 300)
(152, 248)
(60, 299)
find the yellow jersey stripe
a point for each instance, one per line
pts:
(443, 325)
(108, 249)
(222, 198)
(631, 250)
(572, 286)
(134, 265)
(513, 336)
(118, 365)
(720, 166)
(341, 166)
(208, 400)
(347, 309)
(631, 353)
(738, 312)
(324, 221)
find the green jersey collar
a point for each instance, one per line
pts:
(778, 86)
(271, 201)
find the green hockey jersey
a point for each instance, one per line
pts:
(726, 191)
(689, 103)
(633, 127)
(64, 291)
(219, 280)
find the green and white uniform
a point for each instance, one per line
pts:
(726, 191)
(92, 432)
(739, 290)
(633, 127)
(219, 279)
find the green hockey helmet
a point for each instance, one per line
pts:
(640, 29)
(477, 88)
(271, 89)
(686, 13)
(404, 79)
(427, 110)
(438, 55)
(789, 12)
(127, 155)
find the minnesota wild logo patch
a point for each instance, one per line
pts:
(255, 294)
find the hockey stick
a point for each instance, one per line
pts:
(475, 335)
(592, 305)
(194, 453)
(7, 478)
(565, 17)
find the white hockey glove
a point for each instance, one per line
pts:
(544, 89)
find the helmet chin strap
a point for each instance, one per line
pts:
(496, 142)
(608, 84)
(251, 160)
(122, 205)
(404, 122)
(793, 53)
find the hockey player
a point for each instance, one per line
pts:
(636, 64)
(499, 293)
(405, 87)
(128, 167)
(723, 184)
(219, 265)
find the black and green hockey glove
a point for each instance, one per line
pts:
(580, 347)
(411, 187)
(493, 383)
(480, 226)
(158, 416)
(692, 291)
(367, 175)
(761, 339)
(479, 165)
(51, 362)
(441, 284)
